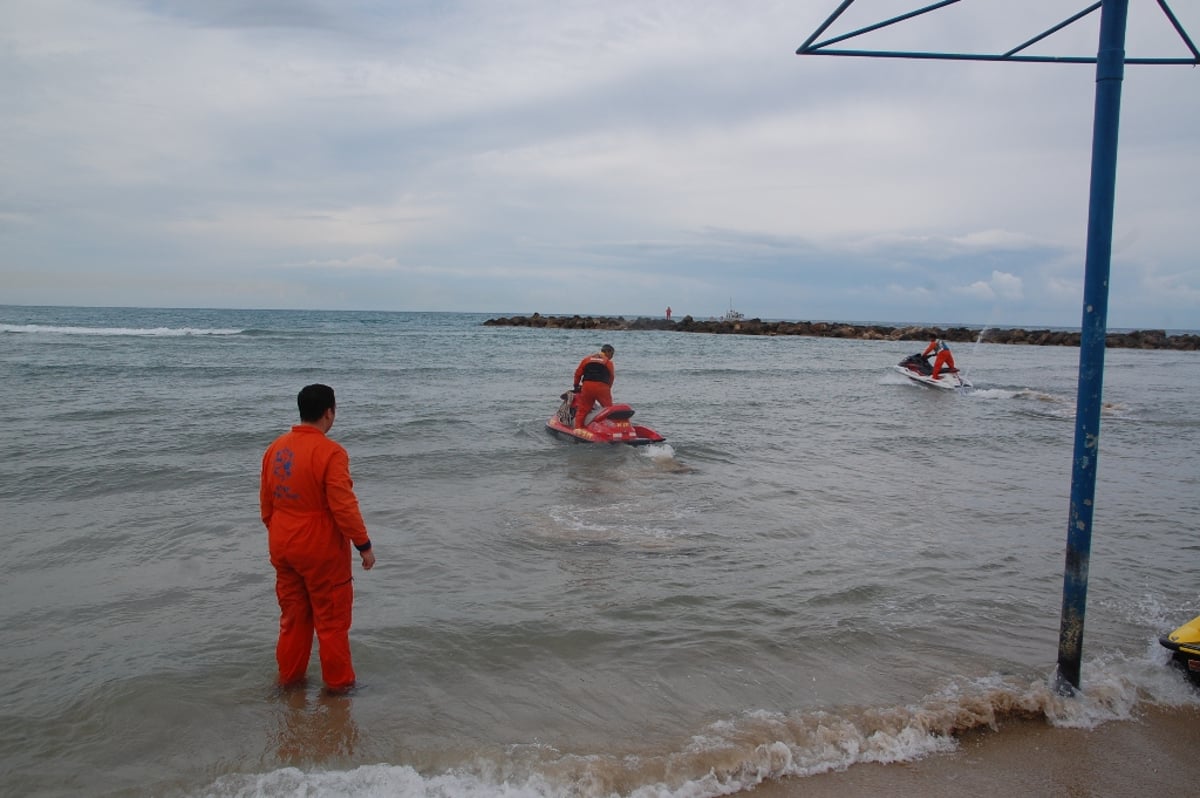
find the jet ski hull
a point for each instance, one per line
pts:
(636, 435)
(1184, 644)
(611, 425)
(947, 381)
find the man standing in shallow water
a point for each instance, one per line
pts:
(312, 517)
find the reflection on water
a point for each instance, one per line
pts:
(317, 728)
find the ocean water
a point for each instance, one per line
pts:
(823, 565)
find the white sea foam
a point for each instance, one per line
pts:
(661, 453)
(994, 393)
(164, 332)
(737, 754)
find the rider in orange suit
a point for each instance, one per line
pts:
(943, 360)
(593, 383)
(312, 518)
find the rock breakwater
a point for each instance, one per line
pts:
(1136, 339)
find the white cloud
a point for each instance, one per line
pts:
(995, 239)
(1000, 286)
(306, 227)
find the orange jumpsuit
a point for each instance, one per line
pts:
(594, 375)
(312, 517)
(943, 359)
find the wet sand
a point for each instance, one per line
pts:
(1157, 753)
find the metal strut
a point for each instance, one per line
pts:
(825, 47)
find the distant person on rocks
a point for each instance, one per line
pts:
(668, 312)
(593, 383)
(312, 518)
(943, 359)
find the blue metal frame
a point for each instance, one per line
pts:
(824, 47)
(1110, 63)
(1110, 72)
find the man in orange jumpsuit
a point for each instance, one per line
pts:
(943, 360)
(593, 383)
(312, 518)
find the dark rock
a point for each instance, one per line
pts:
(1137, 339)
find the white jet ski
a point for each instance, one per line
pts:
(919, 370)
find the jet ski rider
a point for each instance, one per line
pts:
(943, 360)
(593, 383)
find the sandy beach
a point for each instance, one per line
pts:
(1155, 753)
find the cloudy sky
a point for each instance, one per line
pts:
(577, 156)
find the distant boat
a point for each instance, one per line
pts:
(732, 315)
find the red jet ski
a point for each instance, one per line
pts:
(610, 425)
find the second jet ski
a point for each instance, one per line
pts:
(917, 368)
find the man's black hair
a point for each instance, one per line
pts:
(314, 400)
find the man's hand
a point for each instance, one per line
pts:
(368, 559)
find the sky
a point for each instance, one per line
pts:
(605, 158)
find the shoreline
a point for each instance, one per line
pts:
(1136, 339)
(1151, 753)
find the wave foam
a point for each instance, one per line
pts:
(738, 754)
(165, 332)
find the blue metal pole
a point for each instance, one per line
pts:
(1110, 72)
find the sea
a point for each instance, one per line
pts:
(824, 565)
